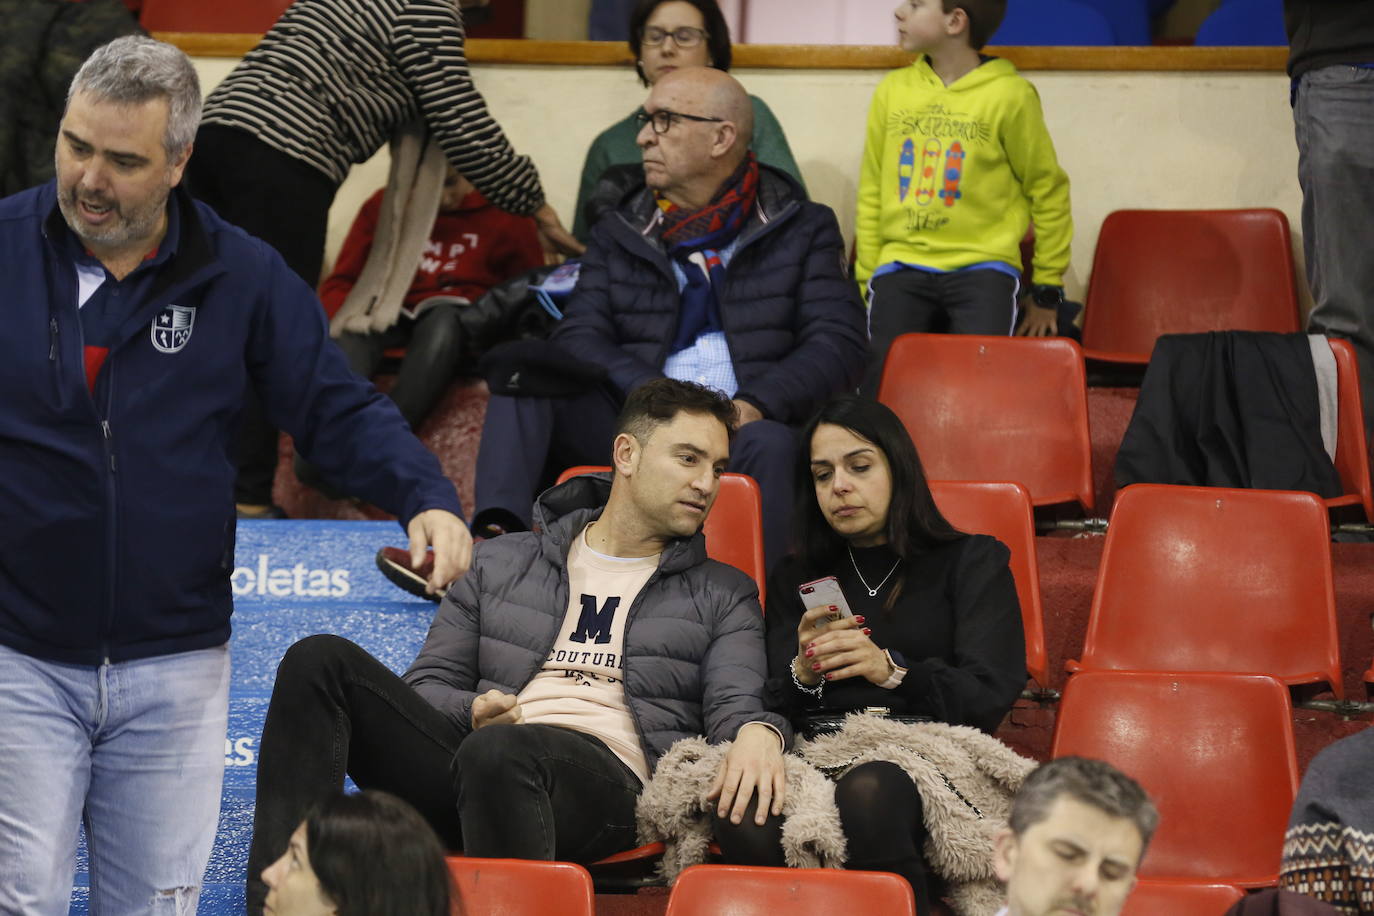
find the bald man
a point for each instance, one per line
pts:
(716, 270)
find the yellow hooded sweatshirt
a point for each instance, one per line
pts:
(952, 175)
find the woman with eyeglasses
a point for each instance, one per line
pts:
(667, 35)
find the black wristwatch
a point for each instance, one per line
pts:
(1047, 296)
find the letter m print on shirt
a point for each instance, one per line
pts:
(594, 623)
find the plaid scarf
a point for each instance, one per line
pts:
(693, 239)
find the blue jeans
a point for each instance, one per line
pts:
(1333, 115)
(135, 751)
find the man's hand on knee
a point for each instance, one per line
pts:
(753, 764)
(496, 708)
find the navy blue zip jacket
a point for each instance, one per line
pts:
(792, 318)
(117, 508)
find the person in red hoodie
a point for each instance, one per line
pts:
(472, 247)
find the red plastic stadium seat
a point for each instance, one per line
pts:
(243, 16)
(1214, 752)
(1180, 898)
(995, 408)
(1003, 510)
(1215, 579)
(519, 887)
(734, 890)
(1352, 448)
(1180, 271)
(734, 529)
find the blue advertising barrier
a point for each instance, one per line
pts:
(291, 579)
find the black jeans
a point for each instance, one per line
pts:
(921, 302)
(508, 791)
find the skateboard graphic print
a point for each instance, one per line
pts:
(906, 165)
(954, 170)
(930, 167)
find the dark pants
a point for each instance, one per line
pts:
(922, 302)
(527, 442)
(883, 822)
(1333, 114)
(284, 202)
(505, 791)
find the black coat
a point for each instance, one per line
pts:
(792, 318)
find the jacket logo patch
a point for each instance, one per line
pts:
(172, 327)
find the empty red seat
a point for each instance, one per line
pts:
(1214, 752)
(715, 890)
(733, 530)
(995, 408)
(1003, 510)
(1180, 898)
(1216, 579)
(242, 16)
(519, 887)
(1352, 448)
(1180, 271)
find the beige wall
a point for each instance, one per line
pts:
(1153, 139)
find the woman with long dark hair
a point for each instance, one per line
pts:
(935, 634)
(368, 854)
(667, 35)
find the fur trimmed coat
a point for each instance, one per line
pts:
(966, 779)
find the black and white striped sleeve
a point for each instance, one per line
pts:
(429, 52)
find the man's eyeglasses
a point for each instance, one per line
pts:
(684, 37)
(664, 119)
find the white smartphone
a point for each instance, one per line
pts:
(824, 593)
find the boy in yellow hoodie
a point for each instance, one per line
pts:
(957, 163)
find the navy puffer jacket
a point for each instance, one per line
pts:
(694, 658)
(796, 329)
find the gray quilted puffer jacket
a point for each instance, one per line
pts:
(694, 653)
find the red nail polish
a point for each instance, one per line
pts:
(809, 653)
(816, 666)
(827, 675)
(867, 631)
(858, 618)
(833, 608)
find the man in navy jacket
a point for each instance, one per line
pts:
(135, 321)
(718, 272)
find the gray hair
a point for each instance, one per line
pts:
(137, 69)
(1091, 782)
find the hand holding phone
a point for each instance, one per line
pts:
(824, 593)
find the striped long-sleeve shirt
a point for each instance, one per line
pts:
(333, 79)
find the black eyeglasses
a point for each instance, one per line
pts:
(664, 119)
(684, 36)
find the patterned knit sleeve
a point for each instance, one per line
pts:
(430, 56)
(1328, 852)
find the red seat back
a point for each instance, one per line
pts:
(1214, 752)
(1352, 448)
(713, 890)
(520, 887)
(733, 530)
(1180, 898)
(995, 408)
(1215, 579)
(1180, 271)
(240, 16)
(1003, 510)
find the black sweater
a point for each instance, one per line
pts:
(957, 623)
(1322, 33)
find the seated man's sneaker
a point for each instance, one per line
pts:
(394, 562)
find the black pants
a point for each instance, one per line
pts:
(284, 202)
(509, 791)
(527, 441)
(883, 822)
(922, 302)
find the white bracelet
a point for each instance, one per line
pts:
(895, 678)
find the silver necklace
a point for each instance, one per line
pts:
(872, 592)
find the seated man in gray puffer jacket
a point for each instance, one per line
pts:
(557, 671)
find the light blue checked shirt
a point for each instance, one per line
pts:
(707, 361)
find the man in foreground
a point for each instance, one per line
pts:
(1078, 830)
